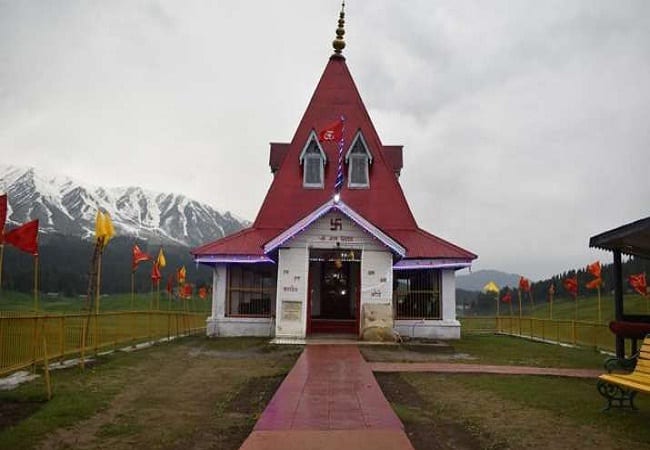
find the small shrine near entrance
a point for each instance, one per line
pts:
(335, 247)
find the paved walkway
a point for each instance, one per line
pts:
(481, 368)
(329, 400)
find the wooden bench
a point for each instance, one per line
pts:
(620, 389)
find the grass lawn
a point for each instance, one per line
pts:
(516, 412)
(183, 394)
(11, 301)
(491, 349)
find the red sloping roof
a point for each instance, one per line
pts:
(393, 154)
(249, 241)
(420, 244)
(277, 154)
(287, 202)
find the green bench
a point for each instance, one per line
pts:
(620, 389)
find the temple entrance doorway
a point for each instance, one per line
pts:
(334, 291)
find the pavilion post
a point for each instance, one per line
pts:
(618, 301)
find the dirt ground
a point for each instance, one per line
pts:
(187, 395)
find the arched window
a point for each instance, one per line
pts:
(358, 158)
(313, 160)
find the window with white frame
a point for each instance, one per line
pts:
(359, 159)
(312, 159)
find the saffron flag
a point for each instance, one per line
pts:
(332, 132)
(3, 214)
(524, 284)
(161, 261)
(203, 293)
(594, 269)
(104, 230)
(24, 238)
(507, 297)
(638, 282)
(181, 275)
(139, 256)
(155, 273)
(491, 287)
(594, 284)
(187, 291)
(571, 286)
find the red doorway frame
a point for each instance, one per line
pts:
(333, 326)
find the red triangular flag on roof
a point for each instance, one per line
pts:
(25, 237)
(139, 256)
(638, 283)
(332, 132)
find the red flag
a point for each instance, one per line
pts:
(594, 284)
(638, 283)
(170, 283)
(155, 273)
(203, 293)
(571, 285)
(507, 297)
(594, 269)
(524, 284)
(333, 132)
(187, 291)
(25, 237)
(3, 214)
(139, 256)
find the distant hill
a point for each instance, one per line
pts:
(476, 280)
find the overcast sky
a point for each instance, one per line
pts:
(525, 124)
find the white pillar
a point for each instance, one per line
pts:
(448, 295)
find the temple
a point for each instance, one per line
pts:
(335, 247)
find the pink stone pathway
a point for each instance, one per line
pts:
(481, 368)
(329, 400)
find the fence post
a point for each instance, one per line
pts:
(573, 331)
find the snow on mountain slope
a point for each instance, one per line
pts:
(66, 206)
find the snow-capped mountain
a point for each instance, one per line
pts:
(69, 207)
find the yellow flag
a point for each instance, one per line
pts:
(100, 225)
(181, 275)
(110, 230)
(161, 261)
(491, 287)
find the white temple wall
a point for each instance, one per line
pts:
(291, 306)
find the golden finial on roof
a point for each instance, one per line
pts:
(339, 43)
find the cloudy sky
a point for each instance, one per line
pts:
(525, 124)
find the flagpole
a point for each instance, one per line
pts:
(132, 289)
(575, 298)
(519, 297)
(550, 296)
(99, 274)
(36, 282)
(600, 318)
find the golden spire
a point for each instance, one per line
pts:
(339, 43)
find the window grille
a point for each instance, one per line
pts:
(251, 290)
(416, 294)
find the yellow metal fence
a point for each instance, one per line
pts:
(24, 340)
(574, 332)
